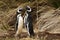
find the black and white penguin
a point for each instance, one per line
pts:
(28, 21)
(19, 22)
(17, 13)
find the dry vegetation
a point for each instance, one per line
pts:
(47, 27)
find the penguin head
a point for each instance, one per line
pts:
(28, 8)
(19, 11)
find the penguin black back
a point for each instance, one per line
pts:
(29, 20)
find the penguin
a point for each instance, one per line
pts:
(28, 21)
(17, 13)
(19, 22)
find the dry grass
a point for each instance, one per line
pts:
(47, 27)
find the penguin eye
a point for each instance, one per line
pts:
(20, 10)
(28, 8)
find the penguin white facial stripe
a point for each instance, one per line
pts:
(29, 10)
(19, 10)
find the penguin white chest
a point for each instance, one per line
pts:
(20, 25)
(20, 20)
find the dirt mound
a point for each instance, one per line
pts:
(49, 21)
